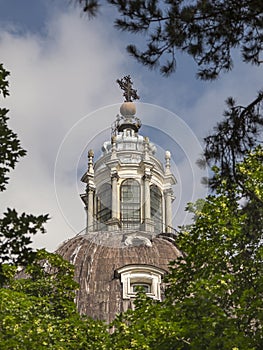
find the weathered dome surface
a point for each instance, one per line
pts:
(97, 257)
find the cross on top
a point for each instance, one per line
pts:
(129, 93)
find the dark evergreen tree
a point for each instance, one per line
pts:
(207, 30)
(234, 137)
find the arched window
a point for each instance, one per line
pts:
(104, 203)
(130, 204)
(156, 208)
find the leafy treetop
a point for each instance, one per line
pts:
(214, 292)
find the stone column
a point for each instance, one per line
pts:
(113, 148)
(114, 191)
(147, 198)
(114, 222)
(168, 210)
(90, 209)
(89, 179)
(148, 223)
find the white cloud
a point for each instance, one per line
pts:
(55, 81)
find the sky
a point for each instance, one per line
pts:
(64, 99)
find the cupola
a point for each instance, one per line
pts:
(128, 187)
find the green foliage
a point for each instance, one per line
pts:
(37, 311)
(49, 277)
(251, 173)
(3, 81)
(215, 290)
(207, 30)
(149, 326)
(10, 149)
(16, 236)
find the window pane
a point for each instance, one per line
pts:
(104, 203)
(156, 207)
(146, 288)
(130, 204)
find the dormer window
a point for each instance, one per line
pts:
(135, 277)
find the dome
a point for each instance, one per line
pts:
(109, 264)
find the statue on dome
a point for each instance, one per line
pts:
(129, 93)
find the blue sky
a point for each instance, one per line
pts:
(64, 99)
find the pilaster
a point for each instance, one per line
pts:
(114, 222)
(90, 208)
(148, 222)
(168, 196)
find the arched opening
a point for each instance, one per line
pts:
(156, 208)
(130, 204)
(104, 204)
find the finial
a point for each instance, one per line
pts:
(146, 148)
(129, 93)
(90, 162)
(90, 154)
(167, 161)
(113, 148)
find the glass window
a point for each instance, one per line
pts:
(104, 203)
(156, 208)
(135, 287)
(130, 204)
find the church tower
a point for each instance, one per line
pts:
(128, 241)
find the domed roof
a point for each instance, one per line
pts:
(99, 256)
